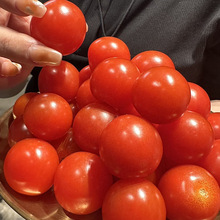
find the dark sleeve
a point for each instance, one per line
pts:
(210, 79)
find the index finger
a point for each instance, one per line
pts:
(24, 7)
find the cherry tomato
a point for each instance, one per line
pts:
(212, 161)
(161, 94)
(151, 58)
(84, 74)
(81, 182)
(21, 102)
(190, 193)
(214, 120)
(89, 123)
(63, 27)
(112, 81)
(84, 95)
(200, 101)
(30, 165)
(187, 139)
(18, 131)
(62, 80)
(133, 199)
(130, 147)
(107, 47)
(48, 116)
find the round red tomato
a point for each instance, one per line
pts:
(84, 74)
(89, 124)
(107, 47)
(30, 165)
(48, 116)
(200, 101)
(151, 58)
(62, 80)
(187, 139)
(214, 120)
(130, 147)
(133, 199)
(190, 193)
(112, 81)
(161, 94)
(63, 27)
(81, 182)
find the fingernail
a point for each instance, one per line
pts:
(32, 7)
(10, 69)
(42, 55)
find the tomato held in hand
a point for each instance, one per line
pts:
(161, 94)
(62, 80)
(48, 116)
(112, 81)
(130, 147)
(190, 193)
(133, 199)
(30, 165)
(187, 139)
(63, 27)
(81, 182)
(107, 47)
(151, 58)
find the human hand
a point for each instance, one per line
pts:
(19, 52)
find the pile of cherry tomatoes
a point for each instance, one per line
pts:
(128, 135)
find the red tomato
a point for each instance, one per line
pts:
(112, 81)
(84, 95)
(214, 120)
(84, 74)
(161, 94)
(130, 147)
(48, 116)
(18, 131)
(190, 193)
(62, 80)
(200, 101)
(21, 102)
(63, 27)
(151, 58)
(81, 182)
(187, 139)
(30, 165)
(89, 123)
(106, 47)
(212, 161)
(133, 199)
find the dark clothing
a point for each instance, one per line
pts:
(186, 30)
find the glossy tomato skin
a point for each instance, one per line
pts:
(84, 74)
(214, 120)
(187, 139)
(63, 27)
(133, 199)
(190, 193)
(89, 123)
(161, 94)
(112, 81)
(62, 80)
(212, 161)
(130, 147)
(18, 131)
(81, 182)
(30, 165)
(200, 101)
(48, 116)
(107, 47)
(151, 58)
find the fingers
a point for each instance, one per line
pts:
(22, 48)
(8, 68)
(24, 7)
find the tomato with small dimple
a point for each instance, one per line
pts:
(190, 193)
